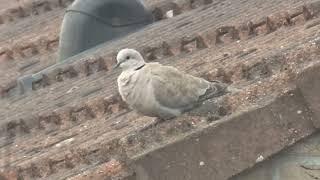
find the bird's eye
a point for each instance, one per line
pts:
(128, 57)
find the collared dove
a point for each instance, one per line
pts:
(161, 91)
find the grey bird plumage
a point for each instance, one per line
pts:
(161, 91)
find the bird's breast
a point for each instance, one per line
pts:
(130, 86)
(138, 93)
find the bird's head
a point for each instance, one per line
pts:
(129, 59)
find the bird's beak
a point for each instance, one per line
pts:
(116, 66)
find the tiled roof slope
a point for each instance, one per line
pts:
(73, 125)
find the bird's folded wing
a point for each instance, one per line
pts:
(175, 89)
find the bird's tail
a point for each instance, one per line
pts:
(216, 89)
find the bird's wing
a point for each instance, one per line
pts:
(175, 89)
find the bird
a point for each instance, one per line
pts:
(156, 90)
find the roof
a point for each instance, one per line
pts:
(74, 125)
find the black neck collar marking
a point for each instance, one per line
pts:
(140, 67)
